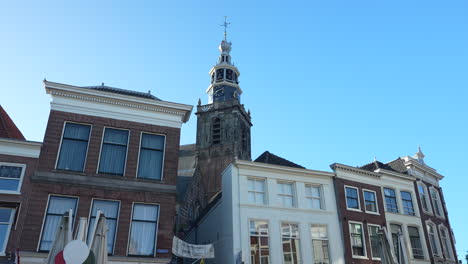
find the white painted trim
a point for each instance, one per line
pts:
(126, 150)
(413, 196)
(322, 198)
(439, 203)
(422, 239)
(363, 240)
(301, 251)
(156, 231)
(45, 214)
(20, 184)
(61, 141)
(10, 225)
(376, 201)
(269, 232)
(116, 223)
(436, 238)
(265, 192)
(397, 198)
(294, 192)
(243, 164)
(163, 157)
(450, 251)
(370, 241)
(346, 198)
(22, 148)
(428, 197)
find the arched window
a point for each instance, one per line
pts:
(219, 74)
(216, 131)
(229, 73)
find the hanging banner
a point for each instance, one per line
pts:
(185, 250)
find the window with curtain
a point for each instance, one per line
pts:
(110, 209)
(407, 202)
(143, 230)
(7, 216)
(374, 240)
(415, 240)
(357, 240)
(313, 195)
(319, 234)
(74, 146)
(390, 200)
(423, 197)
(291, 243)
(113, 151)
(433, 239)
(436, 202)
(370, 201)
(150, 164)
(352, 199)
(446, 245)
(259, 242)
(11, 177)
(286, 194)
(396, 233)
(256, 191)
(57, 207)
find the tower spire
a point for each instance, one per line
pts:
(225, 25)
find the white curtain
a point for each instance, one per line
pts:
(57, 207)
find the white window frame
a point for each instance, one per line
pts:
(421, 239)
(444, 249)
(376, 201)
(415, 211)
(264, 181)
(45, 216)
(156, 233)
(397, 198)
(117, 220)
(269, 238)
(299, 238)
(10, 226)
(436, 238)
(363, 240)
(320, 198)
(439, 202)
(328, 239)
(102, 144)
(370, 240)
(163, 156)
(20, 183)
(358, 198)
(427, 197)
(293, 195)
(61, 141)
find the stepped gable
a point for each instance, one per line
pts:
(8, 129)
(271, 158)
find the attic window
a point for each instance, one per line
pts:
(216, 131)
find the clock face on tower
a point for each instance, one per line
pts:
(218, 92)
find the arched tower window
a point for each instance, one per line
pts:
(219, 74)
(229, 73)
(216, 131)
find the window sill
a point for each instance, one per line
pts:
(9, 192)
(360, 257)
(372, 213)
(355, 210)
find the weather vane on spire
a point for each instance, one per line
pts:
(225, 25)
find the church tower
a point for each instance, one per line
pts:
(223, 125)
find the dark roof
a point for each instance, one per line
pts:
(376, 165)
(8, 129)
(270, 158)
(379, 165)
(398, 165)
(109, 89)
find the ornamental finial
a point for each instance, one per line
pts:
(225, 25)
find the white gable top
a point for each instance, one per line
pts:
(102, 103)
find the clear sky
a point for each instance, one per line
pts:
(326, 81)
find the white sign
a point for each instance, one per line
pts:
(186, 250)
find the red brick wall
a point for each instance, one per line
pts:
(53, 135)
(362, 217)
(436, 220)
(20, 201)
(47, 160)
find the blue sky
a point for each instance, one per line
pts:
(326, 81)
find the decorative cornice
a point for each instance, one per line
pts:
(85, 94)
(271, 167)
(22, 148)
(412, 162)
(336, 166)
